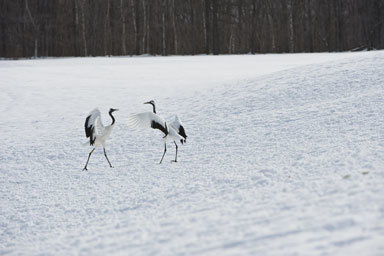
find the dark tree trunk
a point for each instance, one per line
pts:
(207, 11)
(215, 29)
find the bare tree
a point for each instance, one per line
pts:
(164, 26)
(206, 27)
(215, 28)
(290, 27)
(193, 30)
(82, 8)
(35, 27)
(134, 8)
(123, 32)
(254, 45)
(271, 26)
(175, 42)
(107, 23)
(119, 27)
(144, 27)
(309, 24)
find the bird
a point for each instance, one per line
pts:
(174, 131)
(97, 132)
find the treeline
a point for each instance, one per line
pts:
(34, 28)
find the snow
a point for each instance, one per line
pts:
(284, 156)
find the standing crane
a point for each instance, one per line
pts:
(174, 132)
(97, 132)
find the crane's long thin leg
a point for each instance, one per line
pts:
(105, 153)
(165, 150)
(90, 153)
(176, 152)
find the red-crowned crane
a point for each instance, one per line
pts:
(97, 132)
(174, 131)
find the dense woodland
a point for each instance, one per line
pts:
(35, 28)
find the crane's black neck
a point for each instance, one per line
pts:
(113, 119)
(154, 108)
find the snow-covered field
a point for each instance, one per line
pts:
(285, 156)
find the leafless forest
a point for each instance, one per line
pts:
(35, 28)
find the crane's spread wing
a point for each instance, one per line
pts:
(148, 120)
(93, 125)
(178, 125)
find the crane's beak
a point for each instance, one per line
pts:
(147, 102)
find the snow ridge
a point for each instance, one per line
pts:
(288, 162)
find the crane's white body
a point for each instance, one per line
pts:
(100, 132)
(172, 135)
(102, 137)
(97, 132)
(178, 127)
(172, 132)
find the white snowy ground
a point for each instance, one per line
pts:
(285, 156)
